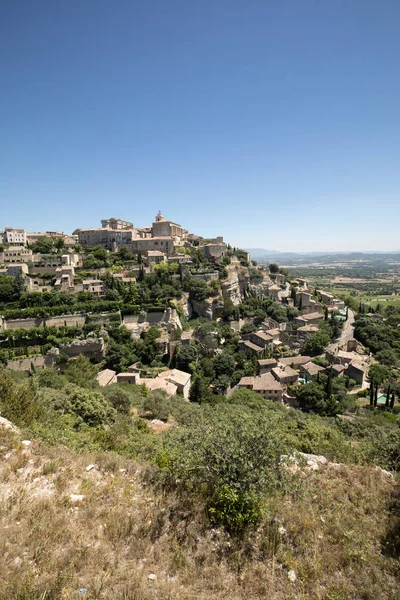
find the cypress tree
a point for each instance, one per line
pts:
(371, 392)
(376, 395)
(387, 403)
(326, 313)
(328, 388)
(392, 401)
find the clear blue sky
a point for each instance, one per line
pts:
(275, 123)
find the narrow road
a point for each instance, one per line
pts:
(346, 334)
(348, 330)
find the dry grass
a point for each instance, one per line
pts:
(124, 530)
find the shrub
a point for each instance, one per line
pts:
(18, 403)
(89, 407)
(231, 458)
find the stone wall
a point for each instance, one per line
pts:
(25, 364)
(91, 347)
(58, 321)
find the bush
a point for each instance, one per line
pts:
(18, 403)
(89, 407)
(231, 458)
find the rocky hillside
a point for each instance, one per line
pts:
(99, 526)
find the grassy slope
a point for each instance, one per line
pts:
(336, 520)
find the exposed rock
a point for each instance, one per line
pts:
(230, 288)
(8, 425)
(211, 308)
(152, 576)
(292, 576)
(76, 497)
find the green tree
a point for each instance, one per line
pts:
(82, 372)
(88, 407)
(200, 389)
(231, 458)
(185, 356)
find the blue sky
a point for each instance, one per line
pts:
(275, 123)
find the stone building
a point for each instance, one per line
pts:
(17, 254)
(215, 251)
(163, 244)
(116, 224)
(286, 376)
(93, 286)
(65, 278)
(14, 237)
(154, 257)
(164, 228)
(17, 269)
(310, 370)
(105, 237)
(266, 385)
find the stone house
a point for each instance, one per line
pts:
(164, 228)
(262, 339)
(266, 385)
(179, 378)
(17, 254)
(105, 237)
(116, 224)
(248, 346)
(214, 251)
(286, 376)
(294, 361)
(106, 377)
(93, 286)
(154, 257)
(306, 319)
(265, 365)
(310, 370)
(144, 245)
(357, 372)
(14, 236)
(17, 269)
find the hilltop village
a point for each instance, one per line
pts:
(161, 307)
(176, 417)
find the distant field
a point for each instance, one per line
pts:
(384, 300)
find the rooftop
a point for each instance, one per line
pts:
(252, 346)
(246, 381)
(159, 384)
(312, 368)
(294, 360)
(104, 377)
(266, 382)
(176, 376)
(264, 336)
(282, 373)
(312, 316)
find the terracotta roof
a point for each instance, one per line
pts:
(312, 368)
(246, 381)
(252, 346)
(280, 373)
(176, 376)
(312, 316)
(267, 361)
(159, 384)
(294, 360)
(266, 382)
(104, 377)
(262, 335)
